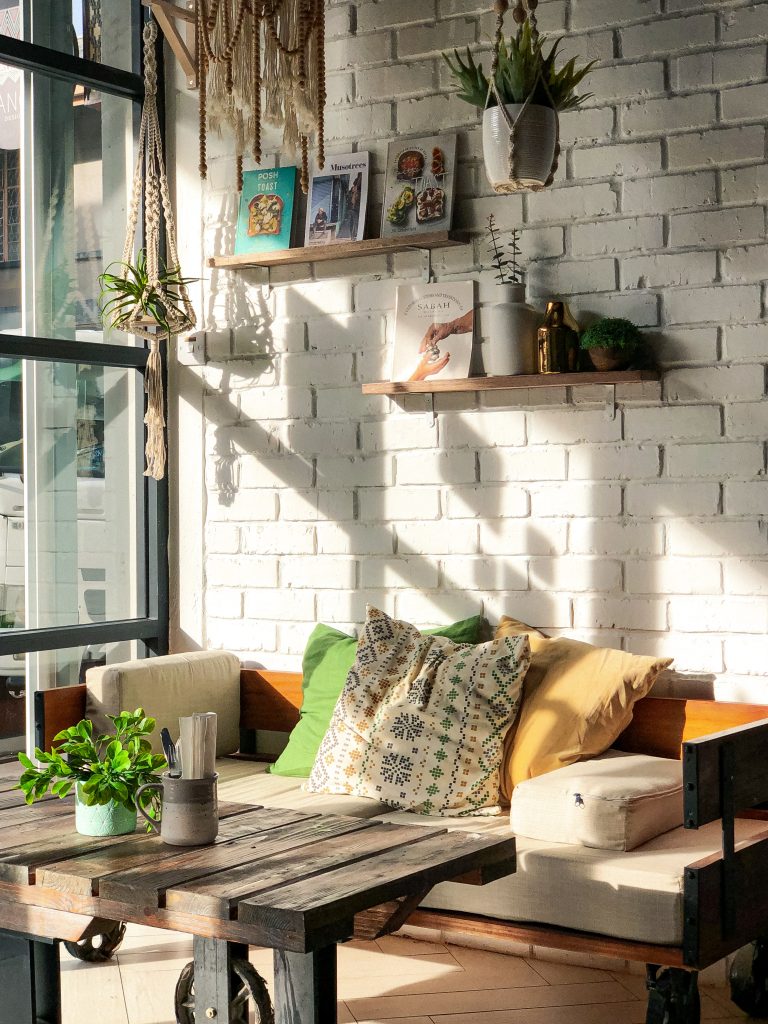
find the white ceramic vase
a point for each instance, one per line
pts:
(511, 346)
(534, 151)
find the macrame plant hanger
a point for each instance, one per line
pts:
(522, 11)
(150, 180)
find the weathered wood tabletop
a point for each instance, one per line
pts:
(294, 881)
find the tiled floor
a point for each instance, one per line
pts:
(395, 980)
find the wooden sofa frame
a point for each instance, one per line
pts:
(724, 749)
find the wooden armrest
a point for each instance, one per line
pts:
(268, 701)
(724, 773)
(56, 710)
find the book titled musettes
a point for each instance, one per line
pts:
(337, 200)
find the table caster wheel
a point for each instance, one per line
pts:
(250, 991)
(673, 995)
(749, 979)
(98, 948)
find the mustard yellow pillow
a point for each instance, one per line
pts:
(577, 699)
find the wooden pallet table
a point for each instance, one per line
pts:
(296, 882)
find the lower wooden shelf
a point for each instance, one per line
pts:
(529, 380)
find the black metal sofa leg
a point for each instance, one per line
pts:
(749, 978)
(673, 995)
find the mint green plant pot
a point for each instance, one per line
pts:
(110, 819)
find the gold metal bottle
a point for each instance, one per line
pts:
(558, 349)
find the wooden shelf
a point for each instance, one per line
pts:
(340, 251)
(532, 380)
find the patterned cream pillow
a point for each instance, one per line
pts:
(421, 720)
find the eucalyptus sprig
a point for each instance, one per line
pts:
(130, 289)
(523, 69)
(104, 767)
(507, 270)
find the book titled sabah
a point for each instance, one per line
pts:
(419, 186)
(434, 327)
(265, 220)
(338, 196)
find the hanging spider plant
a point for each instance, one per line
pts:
(130, 299)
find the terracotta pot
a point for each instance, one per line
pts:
(608, 358)
(534, 152)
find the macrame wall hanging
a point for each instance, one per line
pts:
(262, 62)
(165, 290)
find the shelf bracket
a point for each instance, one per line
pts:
(182, 43)
(609, 412)
(426, 266)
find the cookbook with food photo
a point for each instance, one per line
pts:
(419, 186)
(265, 221)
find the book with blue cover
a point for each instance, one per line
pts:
(265, 220)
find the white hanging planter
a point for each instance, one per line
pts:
(527, 165)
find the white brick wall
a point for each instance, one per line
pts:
(647, 531)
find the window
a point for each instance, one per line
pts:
(83, 574)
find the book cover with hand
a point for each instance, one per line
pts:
(434, 328)
(265, 220)
(338, 196)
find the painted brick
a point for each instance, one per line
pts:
(662, 499)
(573, 573)
(399, 503)
(280, 604)
(672, 423)
(274, 403)
(314, 438)
(421, 115)
(428, 539)
(484, 574)
(368, 122)
(744, 102)
(670, 192)
(708, 538)
(744, 23)
(747, 263)
(747, 419)
(680, 113)
(284, 471)
(719, 68)
(569, 203)
(547, 611)
(745, 184)
(673, 576)
(713, 383)
(668, 35)
(724, 615)
(613, 462)
(523, 537)
(224, 604)
(623, 81)
(617, 235)
(345, 331)
(748, 498)
(749, 342)
(278, 539)
(728, 458)
(531, 463)
(386, 13)
(354, 539)
(393, 573)
(719, 305)
(370, 471)
(398, 433)
(222, 538)
(587, 124)
(746, 576)
(620, 613)
(486, 502)
(240, 571)
(597, 13)
(480, 429)
(352, 51)
(314, 506)
(435, 467)
(602, 536)
(507, 212)
(435, 609)
(688, 345)
(746, 655)
(593, 275)
(625, 160)
(667, 269)
(242, 506)
(575, 499)
(569, 427)
(320, 572)
(719, 146)
(541, 243)
(374, 83)
(717, 227)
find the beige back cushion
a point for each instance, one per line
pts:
(168, 688)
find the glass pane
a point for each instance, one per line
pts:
(71, 524)
(11, 89)
(99, 30)
(47, 669)
(82, 156)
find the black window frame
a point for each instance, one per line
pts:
(151, 630)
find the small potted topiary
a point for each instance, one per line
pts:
(612, 343)
(105, 771)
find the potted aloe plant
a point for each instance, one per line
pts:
(521, 100)
(105, 771)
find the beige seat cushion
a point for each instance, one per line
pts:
(636, 895)
(577, 699)
(249, 782)
(613, 802)
(168, 688)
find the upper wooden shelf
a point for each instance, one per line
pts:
(528, 380)
(340, 250)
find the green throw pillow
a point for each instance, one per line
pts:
(328, 657)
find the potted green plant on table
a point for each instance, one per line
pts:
(105, 772)
(612, 343)
(521, 100)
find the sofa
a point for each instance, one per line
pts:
(678, 903)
